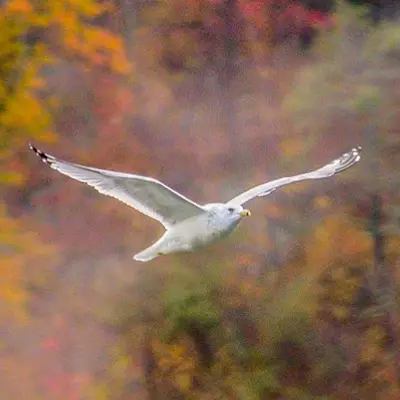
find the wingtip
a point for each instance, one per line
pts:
(357, 153)
(34, 148)
(43, 156)
(348, 159)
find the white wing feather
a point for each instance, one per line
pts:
(147, 195)
(338, 165)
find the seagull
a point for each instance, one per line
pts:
(188, 225)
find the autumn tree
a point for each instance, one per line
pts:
(37, 40)
(355, 82)
(317, 325)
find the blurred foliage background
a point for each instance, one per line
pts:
(210, 96)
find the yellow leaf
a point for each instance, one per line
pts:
(19, 6)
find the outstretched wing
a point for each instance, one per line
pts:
(338, 165)
(149, 196)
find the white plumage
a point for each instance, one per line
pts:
(188, 224)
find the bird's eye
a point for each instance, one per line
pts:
(231, 209)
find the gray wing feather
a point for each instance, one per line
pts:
(338, 165)
(147, 195)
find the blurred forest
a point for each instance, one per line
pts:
(211, 97)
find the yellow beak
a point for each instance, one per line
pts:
(245, 213)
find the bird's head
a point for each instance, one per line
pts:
(238, 210)
(229, 211)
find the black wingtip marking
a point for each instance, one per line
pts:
(43, 156)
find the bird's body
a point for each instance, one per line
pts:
(188, 225)
(194, 232)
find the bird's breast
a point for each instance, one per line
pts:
(203, 229)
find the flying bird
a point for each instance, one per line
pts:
(187, 224)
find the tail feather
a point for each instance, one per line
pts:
(146, 255)
(155, 250)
